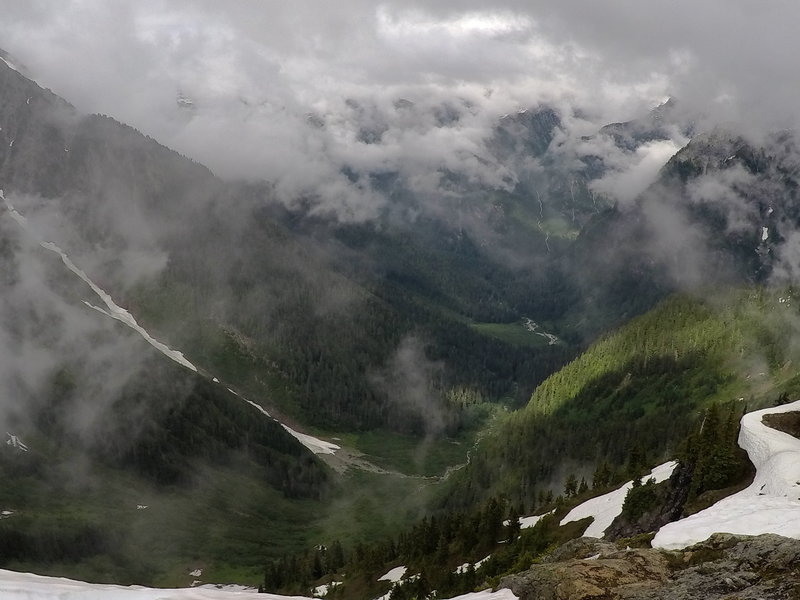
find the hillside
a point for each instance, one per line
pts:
(323, 324)
(641, 388)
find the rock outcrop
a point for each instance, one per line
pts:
(724, 566)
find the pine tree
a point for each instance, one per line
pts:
(514, 526)
(571, 486)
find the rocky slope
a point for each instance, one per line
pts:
(724, 566)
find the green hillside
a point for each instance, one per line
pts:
(638, 390)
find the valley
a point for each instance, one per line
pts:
(304, 334)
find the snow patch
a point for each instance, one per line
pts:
(114, 311)
(10, 65)
(196, 573)
(764, 234)
(15, 442)
(322, 590)
(461, 569)
(770, 505)
(316, 445)
(394, 575)
(26, 586)
(528, 522)
(604, 509)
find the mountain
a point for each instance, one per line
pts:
(270, 384)
(322, 324)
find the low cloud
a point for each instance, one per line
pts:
(409, 382)
(630, 174)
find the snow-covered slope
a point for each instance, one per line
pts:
(25, 586)
(607, 507)
(772, 502)
(115, 311)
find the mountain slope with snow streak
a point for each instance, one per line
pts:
(114, 311)
(604, 509)
(771, 504)
(26, 586)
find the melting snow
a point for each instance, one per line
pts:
(9, 64)
(316, 445)
(196, 573)
(592, 557)
(528, 522)
(764, 234)
(322, 590)
(15, 442)
(394, 575)
(460, 570)
(770, 505)
(114, 311)
(120, 314)
(25, 586)
(607, 507)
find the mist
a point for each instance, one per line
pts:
(299, 96)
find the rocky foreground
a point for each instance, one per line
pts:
(724, 566)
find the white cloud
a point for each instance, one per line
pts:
(256, 70)
(630, 176)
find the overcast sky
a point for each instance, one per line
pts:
(256, 70)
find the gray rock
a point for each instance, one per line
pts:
(723, 567)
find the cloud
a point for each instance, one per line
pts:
(409, 381)
(628, 175)
(305, 95)
(43, 334)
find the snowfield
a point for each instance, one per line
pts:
(607, 507)
(770, 505)
(394, 575)
(25, 586)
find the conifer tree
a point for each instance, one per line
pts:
(571, 486)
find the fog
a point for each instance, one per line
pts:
(295, 94)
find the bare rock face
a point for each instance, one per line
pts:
(588, 568)
(723, 567)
